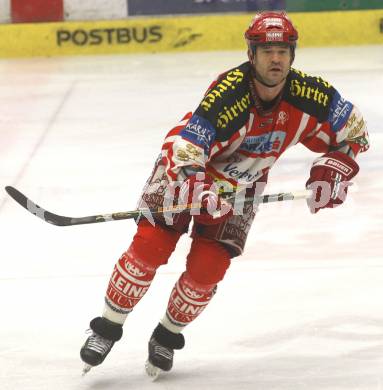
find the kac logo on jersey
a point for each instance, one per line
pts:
(264, 143)
(339, 112)
(199, 131)
(283, 117)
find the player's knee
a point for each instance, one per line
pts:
(154, 244)
(207, 261)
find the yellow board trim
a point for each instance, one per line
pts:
(187, 33)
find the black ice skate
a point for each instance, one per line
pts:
(161, 350)
(104, 334)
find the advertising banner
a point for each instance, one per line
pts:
(189, 33)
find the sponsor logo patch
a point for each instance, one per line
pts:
(272, 36)
(234, 171)
(356, 127)
(264, 143)
(189, 153)
(340, 110)
(199, 131)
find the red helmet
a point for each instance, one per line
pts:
(271, 27)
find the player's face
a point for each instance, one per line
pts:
(272, 63)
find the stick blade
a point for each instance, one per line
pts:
(17, 196)
(36, 210)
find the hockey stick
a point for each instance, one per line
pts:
(60, 220)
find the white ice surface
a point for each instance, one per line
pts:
(302, 309)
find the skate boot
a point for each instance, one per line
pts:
(161, 350)
(104, 334)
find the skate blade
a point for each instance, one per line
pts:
(86, 369)
(152, 371)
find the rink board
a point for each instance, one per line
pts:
(174, 34)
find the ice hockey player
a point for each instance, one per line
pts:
(247, 118)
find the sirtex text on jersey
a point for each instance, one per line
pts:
(230, 81)
(304, 91)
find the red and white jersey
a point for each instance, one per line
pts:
(234, 138)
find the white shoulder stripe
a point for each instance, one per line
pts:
(301, 129)
(250, 122)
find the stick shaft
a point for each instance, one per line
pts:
(60, 220)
